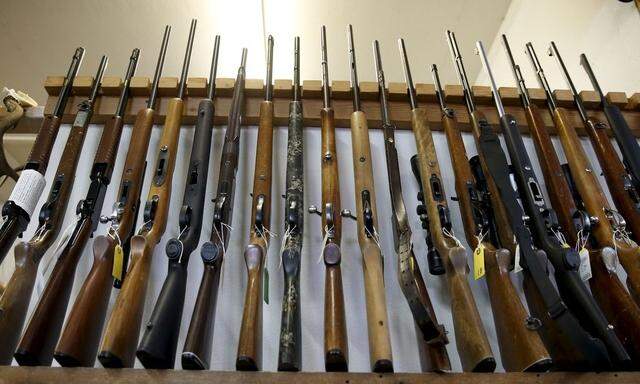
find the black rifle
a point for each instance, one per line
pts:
(544, 226)
(621, 131)
(197, 348)
(289, 355)
(17, 210)
(157, 349)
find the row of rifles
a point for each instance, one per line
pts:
(583, 319)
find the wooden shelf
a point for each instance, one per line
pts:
(34, 375)
(312, 101)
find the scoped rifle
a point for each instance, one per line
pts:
(624, 190)
(521, 348)
(367, 218)
(123, 328)
(544, 230)
(596, 220)
(43, 330)
(471, 339)
(78, 344)
(409, 276)
(197, 347)
(255, 254)
(17, 210)
(289, 355)
(15, 299)
(621, 132)
(157, 349)
(336, 353)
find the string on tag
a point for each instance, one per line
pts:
(560, 236)
(375, 236)
(450, 235)
(325, 239)
(143, 226)
(285, 238)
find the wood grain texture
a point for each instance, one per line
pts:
(471, 339)
(377, 322)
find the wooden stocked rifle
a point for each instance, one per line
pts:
(521, 348)
(471, 339)
(290, 352)
(592, 222)
(255, 254)
(609, 222)
(17, 210)
(42, 332)
(197, 347)
(336, 353)
(78, 345)
(158, 346)
(570, 346)
(123, 328)
(15, 299)
(366, 216)
(413, 287)
(545, 229)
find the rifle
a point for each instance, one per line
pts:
(123, 328)
(521, 348)
(289, 355)
(17, 210)
(413, 287)
(367, 218)
(157, 348)
(471, 339)
(78, 344)
(336, 353)
(255, 254)
(617, 305)
(544, 229)
(42, 332)
(621, 132)
(15, 299)
(197, 347)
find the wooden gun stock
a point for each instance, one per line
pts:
(250, 343)
(471, 339)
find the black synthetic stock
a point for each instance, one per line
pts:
(626, 141)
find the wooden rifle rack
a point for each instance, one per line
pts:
(341, 102)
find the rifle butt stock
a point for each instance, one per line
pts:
(290, 353)
(78, 345)
(123, 328)
(14, 302)
(250, 342)
(336, 353)
(157, 349)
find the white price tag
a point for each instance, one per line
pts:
(585, 265)
(28, 190)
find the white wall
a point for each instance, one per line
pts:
(608, 32)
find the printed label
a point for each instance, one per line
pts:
(28, 190)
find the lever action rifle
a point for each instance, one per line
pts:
(336, 353)
(197, 347)
(78, 344)
(255, 254)
(592, 219)
(621, 188)
(545, 229)
(471, 339)
(157, 350)
(42, 332)
(123, 328)
(290, 352)
(411, 282)
(17, 210)
(570, 346)
(621, 132)
(15, 299)
(521, 348)
(624, 191)
(367, 218)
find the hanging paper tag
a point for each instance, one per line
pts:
(27, 190)
(516, 260)
(265, 285)
(478, 262)
(118, 262)
(585, 265)
(610, 259)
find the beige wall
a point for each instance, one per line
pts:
(39, 36)
(608, 32)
